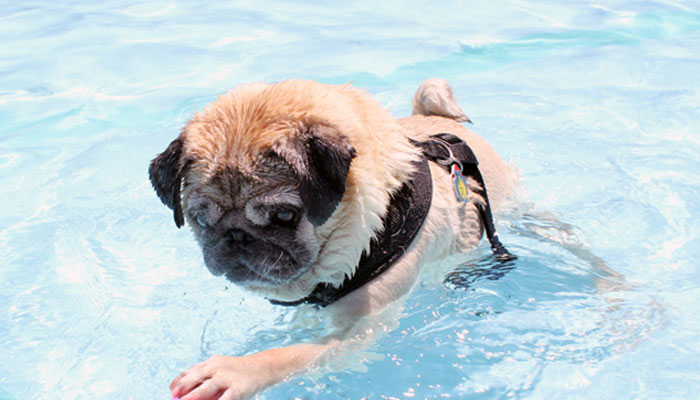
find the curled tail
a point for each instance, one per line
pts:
(435, 97)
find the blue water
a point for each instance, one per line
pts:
(596, 103)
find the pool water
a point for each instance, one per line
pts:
(596, 103)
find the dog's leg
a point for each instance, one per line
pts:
(545, 226)
(229, 378)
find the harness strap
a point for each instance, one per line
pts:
(404, 217)
(447, 150)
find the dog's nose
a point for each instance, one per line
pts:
(241, 236)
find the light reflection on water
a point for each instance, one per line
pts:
(595, 104)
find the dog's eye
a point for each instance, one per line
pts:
(285, 217)
(201, 222)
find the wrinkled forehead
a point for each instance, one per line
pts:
(232, 187)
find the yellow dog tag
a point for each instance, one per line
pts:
(460, 184)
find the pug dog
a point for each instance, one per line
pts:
(288, 187)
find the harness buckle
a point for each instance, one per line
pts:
(451, 159)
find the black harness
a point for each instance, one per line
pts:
(406, 213)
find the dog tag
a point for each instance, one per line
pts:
(460, 184)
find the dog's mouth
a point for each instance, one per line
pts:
(257, 279)
(269, 270)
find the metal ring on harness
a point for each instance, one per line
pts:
(447, 161)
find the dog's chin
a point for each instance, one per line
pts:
(245, 273)
(257, 280)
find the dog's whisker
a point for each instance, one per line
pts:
(277, 260)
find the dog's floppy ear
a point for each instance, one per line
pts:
(166, 172)
(321, 160)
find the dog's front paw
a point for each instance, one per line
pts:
(220, 377)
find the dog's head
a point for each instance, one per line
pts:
(254, 182)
